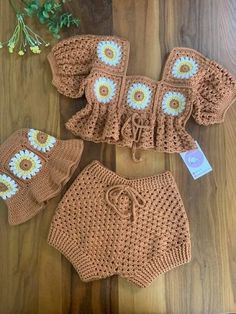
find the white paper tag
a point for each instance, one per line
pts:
(196, 162)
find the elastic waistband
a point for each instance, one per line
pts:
(108, 176)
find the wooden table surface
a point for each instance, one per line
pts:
(34, 277)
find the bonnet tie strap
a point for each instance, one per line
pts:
(115, 191)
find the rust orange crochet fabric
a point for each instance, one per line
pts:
(136, 111)
(107, 224)
(34, 167)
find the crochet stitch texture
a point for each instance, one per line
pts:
(136, 111)
(34, 167)
(107, 224)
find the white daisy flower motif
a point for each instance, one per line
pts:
(25, 164)
(173, 103)
(8, 187)
(41, 141)
(139, 96)
(109, 52)
(104, 89)
(184, 68)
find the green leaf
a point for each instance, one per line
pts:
(45, 14)
(51, 12)
(62, 21)
(42, 18)
(37, 2)
(28, 11)
(48, 7)
(34, 6)
(57, 7)
(53, 27)
(76, 22)
(31, 9)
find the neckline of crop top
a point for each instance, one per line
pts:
(174, 76)
(164, 69)
(183, 66)
(120, 66)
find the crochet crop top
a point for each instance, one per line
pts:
(133, 110)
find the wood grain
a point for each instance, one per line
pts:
(35, 278)
(207, 284)
(27, 99)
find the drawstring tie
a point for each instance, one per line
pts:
(135, 197)
(138, 125)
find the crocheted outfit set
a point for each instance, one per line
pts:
(107, 224)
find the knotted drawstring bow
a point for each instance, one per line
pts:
(135, 197)
(138, 125)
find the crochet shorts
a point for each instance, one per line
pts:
(107, 224)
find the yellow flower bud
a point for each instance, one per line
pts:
(35, 49)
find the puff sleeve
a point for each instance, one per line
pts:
(71, 61)
(214, 92)
(214, 88)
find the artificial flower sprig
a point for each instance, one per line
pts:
(23, 37)
(48, 13)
